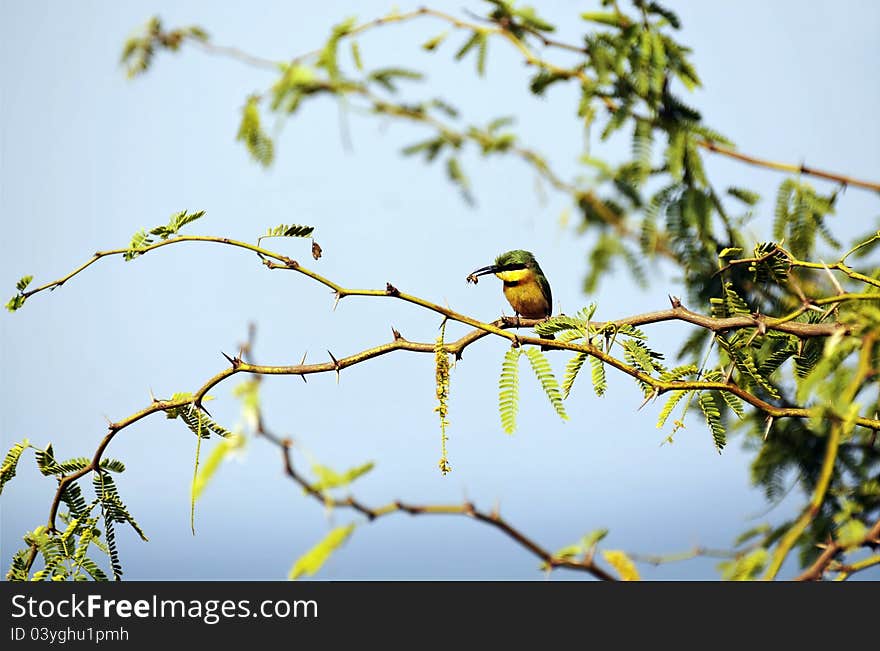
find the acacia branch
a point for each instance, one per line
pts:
(790, 538)
(498, 328)
(533, 59)
(840, 265)
(277, 261)
(817, 570)
(492, 518)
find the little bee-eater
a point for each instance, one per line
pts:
(525, 286)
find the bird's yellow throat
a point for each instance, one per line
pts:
(516, 275)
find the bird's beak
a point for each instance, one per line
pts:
(491, 269)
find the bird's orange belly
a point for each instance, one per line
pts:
(527, 300)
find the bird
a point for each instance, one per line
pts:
(526, 287)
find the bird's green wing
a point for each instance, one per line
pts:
(544, 284)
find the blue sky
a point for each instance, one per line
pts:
(87, 158)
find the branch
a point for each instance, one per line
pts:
(791, 536)
(794, 262)
(788, 167)
(534, 60)
(482, 329)
(817, 570)
(269, 258)
(492, 518)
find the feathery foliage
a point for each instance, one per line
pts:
(508, 390)
(312, 561)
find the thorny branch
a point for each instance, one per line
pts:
(468, 509)
(499, 328)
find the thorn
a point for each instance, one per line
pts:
(648, 399)
(236, 362)
(198, 404)
(833, 279)
(153, 398)
(768, 426)
(762, 326)
(396, 333)
(336, 364)
(729, 373)
(443, 322)
(755, 333)
(675, 301)
(301, 362)
(336, 302)
(391, 290)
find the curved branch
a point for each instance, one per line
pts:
(532, 59)
(817, 570)
(482, 329)
(492, 518)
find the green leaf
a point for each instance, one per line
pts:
(531, 19)
(251, 133)
(735, 403)
(287, 230)
(18, 567)
(221, 451)
(468, 45)
(329, 478)
(571, 371)
(312, 561)
(744, 568)
(356, 55)
(15, 302)
(10, 462)
(508, 390)
(600, 384)
(23, 282)
(482, 51)
(387, 76)
(178, 221)
(112, 465)
(328, 57)
(746, 196)
(139, 241)
(671, 402)
(457, 176)
(670, 16)
(606, 18)
(545, 376)
(619, 560)
(850, 533)
(433, 43)
(710, 410)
